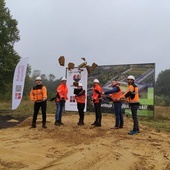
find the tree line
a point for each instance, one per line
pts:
(49, 81)
(9, 35)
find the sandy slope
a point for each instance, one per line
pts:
(76, 147)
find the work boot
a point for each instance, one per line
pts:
(44, 125)
(57, 123)
(94, 123)
(115, 127)
(132, 132)
(60, 122)
(80, 123)
(33, 125)
(98, 125)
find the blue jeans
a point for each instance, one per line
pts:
(59, 110)
(118, 114)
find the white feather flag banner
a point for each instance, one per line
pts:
(18, 82)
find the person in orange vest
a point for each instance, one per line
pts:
(132, 97)
(38, 95)
(61, 98)
(115, 94)
(97, 100)
(80, 97)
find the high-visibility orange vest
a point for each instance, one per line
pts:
(115, 96)
(38, 93)
(62, 92)
(96, 96)
(81, 98)
(134, 97)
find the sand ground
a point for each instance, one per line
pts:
(73, 147)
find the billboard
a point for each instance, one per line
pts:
(75, 76)
(145, 78)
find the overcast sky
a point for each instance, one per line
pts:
(107, 32)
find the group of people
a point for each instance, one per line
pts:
(38, 94)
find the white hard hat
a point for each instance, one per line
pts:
(80, 85)
(96, 81)
(131, 77)
(63, 79)
(38, 78)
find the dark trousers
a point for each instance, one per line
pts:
(97, 107)
(37, 106)
(80, 107)
(118, 114)
(134, 107)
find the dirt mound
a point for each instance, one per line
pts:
(83, 147)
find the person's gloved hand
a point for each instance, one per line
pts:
(44, 99)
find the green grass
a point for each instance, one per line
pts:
(158, 124)
(160, 121)
(148, 113)
(25, 109)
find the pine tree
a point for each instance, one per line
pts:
(9, 34)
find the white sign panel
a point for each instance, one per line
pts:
(79, 76)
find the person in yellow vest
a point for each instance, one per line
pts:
(132, 97)
(97, 101)
(115, 94)
(80, 97)
(38, 95)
